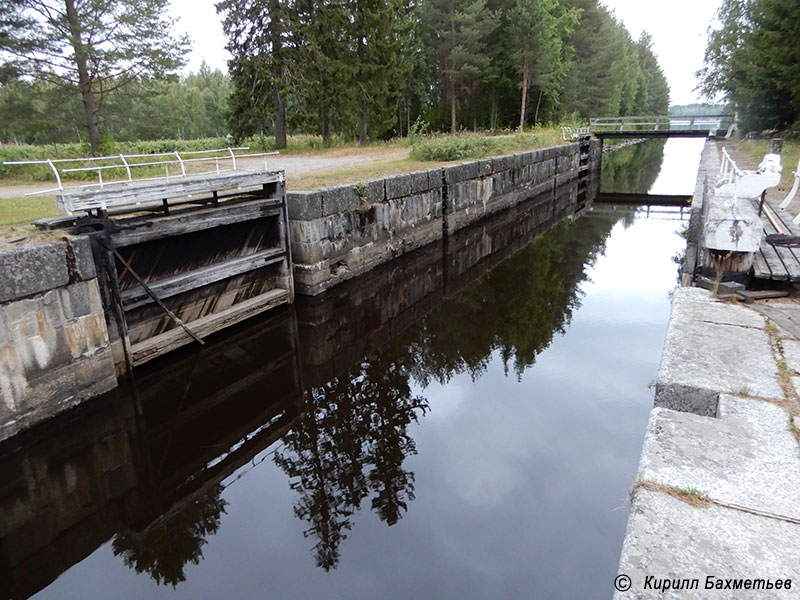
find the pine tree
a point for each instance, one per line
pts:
(535, 30)
(93, 48)
(459, 33)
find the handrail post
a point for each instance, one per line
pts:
(180, 160)
(55, 172)
(233, 157)
(127, 167)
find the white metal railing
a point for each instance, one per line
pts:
(749, 184)
(574, 133)
(129, 162)
(728, 171)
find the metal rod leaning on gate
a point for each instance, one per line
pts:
(151, 293)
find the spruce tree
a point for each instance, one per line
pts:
(656, 89)
(260, 65)
(595, 79)
(381, 37)
(323, 75)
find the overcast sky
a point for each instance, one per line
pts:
(678, 28)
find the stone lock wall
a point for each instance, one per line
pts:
(54, 350)
(343, 231)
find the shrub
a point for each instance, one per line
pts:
(455, 147)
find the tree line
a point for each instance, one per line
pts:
(752, 60)
(375, 69)
(366, 69)
(188, 107)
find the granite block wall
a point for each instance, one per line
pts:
(343, 231)
(54, 349)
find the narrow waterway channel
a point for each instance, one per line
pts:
(465, 423)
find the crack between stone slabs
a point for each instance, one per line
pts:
(733, 325)
(667, 489)
(756, 512)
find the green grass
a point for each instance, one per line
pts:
(475, 145)
(296, 144)
(26, 209)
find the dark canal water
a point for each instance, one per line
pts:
(463, 423)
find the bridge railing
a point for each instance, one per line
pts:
(661, 123)
(175, 165)
(569, 134)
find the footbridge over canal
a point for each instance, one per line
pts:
(661, 126)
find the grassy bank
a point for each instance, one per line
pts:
(26, 209)
(424, 153)
(471, 146)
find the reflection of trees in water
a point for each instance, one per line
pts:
(515, 309)
(351, 443)
(165, 548)
(352, 439)
(633, 169)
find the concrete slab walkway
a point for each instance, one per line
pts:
(716, 505)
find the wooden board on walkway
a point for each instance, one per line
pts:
(777, 263)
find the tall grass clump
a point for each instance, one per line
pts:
(471, 145)
(453, 147)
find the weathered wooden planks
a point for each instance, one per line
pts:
(145, 229)
(136, 192)
(761, 268)
(205, 267)
(174, 338)
(776, 263)
(171, 286)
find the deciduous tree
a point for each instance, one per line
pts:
(751, 59)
